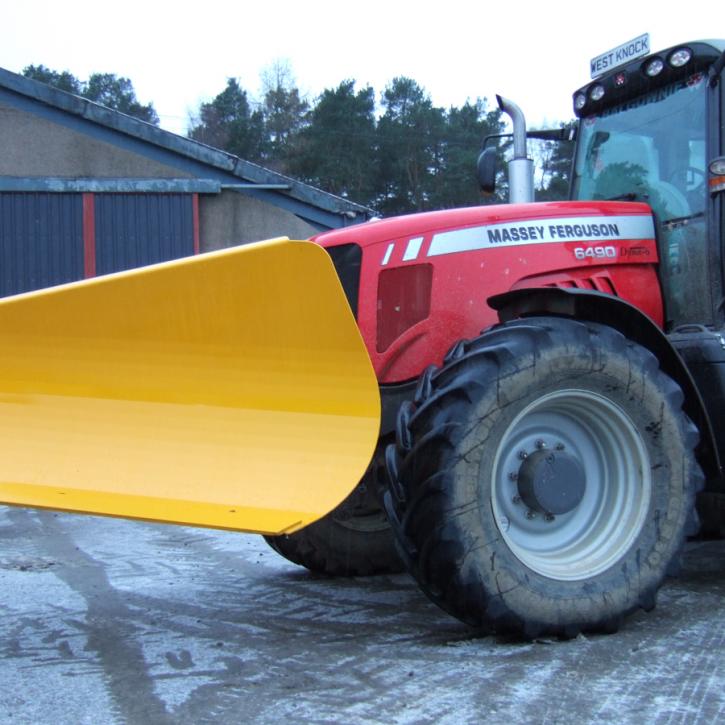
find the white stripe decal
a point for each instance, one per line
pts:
(543, 231)
(411, 251)
(388, 252)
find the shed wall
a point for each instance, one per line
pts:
(41, 241)
(231, 218)
(132, 230)
(34, 146)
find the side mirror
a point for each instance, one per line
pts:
(486, 170)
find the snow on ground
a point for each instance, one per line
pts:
(115, 621)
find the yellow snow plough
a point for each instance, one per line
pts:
(201, 391)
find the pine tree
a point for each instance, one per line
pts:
(228, 123)
(336, 149)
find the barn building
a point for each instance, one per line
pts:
(85, 190)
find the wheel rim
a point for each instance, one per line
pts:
(601, 440)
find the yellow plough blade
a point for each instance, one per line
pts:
(229, 390)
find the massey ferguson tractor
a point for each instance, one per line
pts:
(519, 404)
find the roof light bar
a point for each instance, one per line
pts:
(624, 73)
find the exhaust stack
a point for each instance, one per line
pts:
(521, 168)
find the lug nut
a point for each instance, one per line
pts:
(549, 518)
(513, 476)
(516, 499)
(559, 446)
(530, 514)
(540, 444)
(523, 455)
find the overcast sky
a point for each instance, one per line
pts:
(179, 54)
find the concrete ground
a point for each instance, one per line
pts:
(111, 621)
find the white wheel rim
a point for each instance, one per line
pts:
(599, 531)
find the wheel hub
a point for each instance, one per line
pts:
(551, 482)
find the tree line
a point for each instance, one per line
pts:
(396, 154)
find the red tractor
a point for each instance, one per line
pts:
(552, 375)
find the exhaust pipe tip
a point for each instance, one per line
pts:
(521, 168)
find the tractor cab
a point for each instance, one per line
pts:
(647, 131)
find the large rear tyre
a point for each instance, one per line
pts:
(355, 539)
(543, 479)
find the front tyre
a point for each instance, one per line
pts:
(542, 482)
